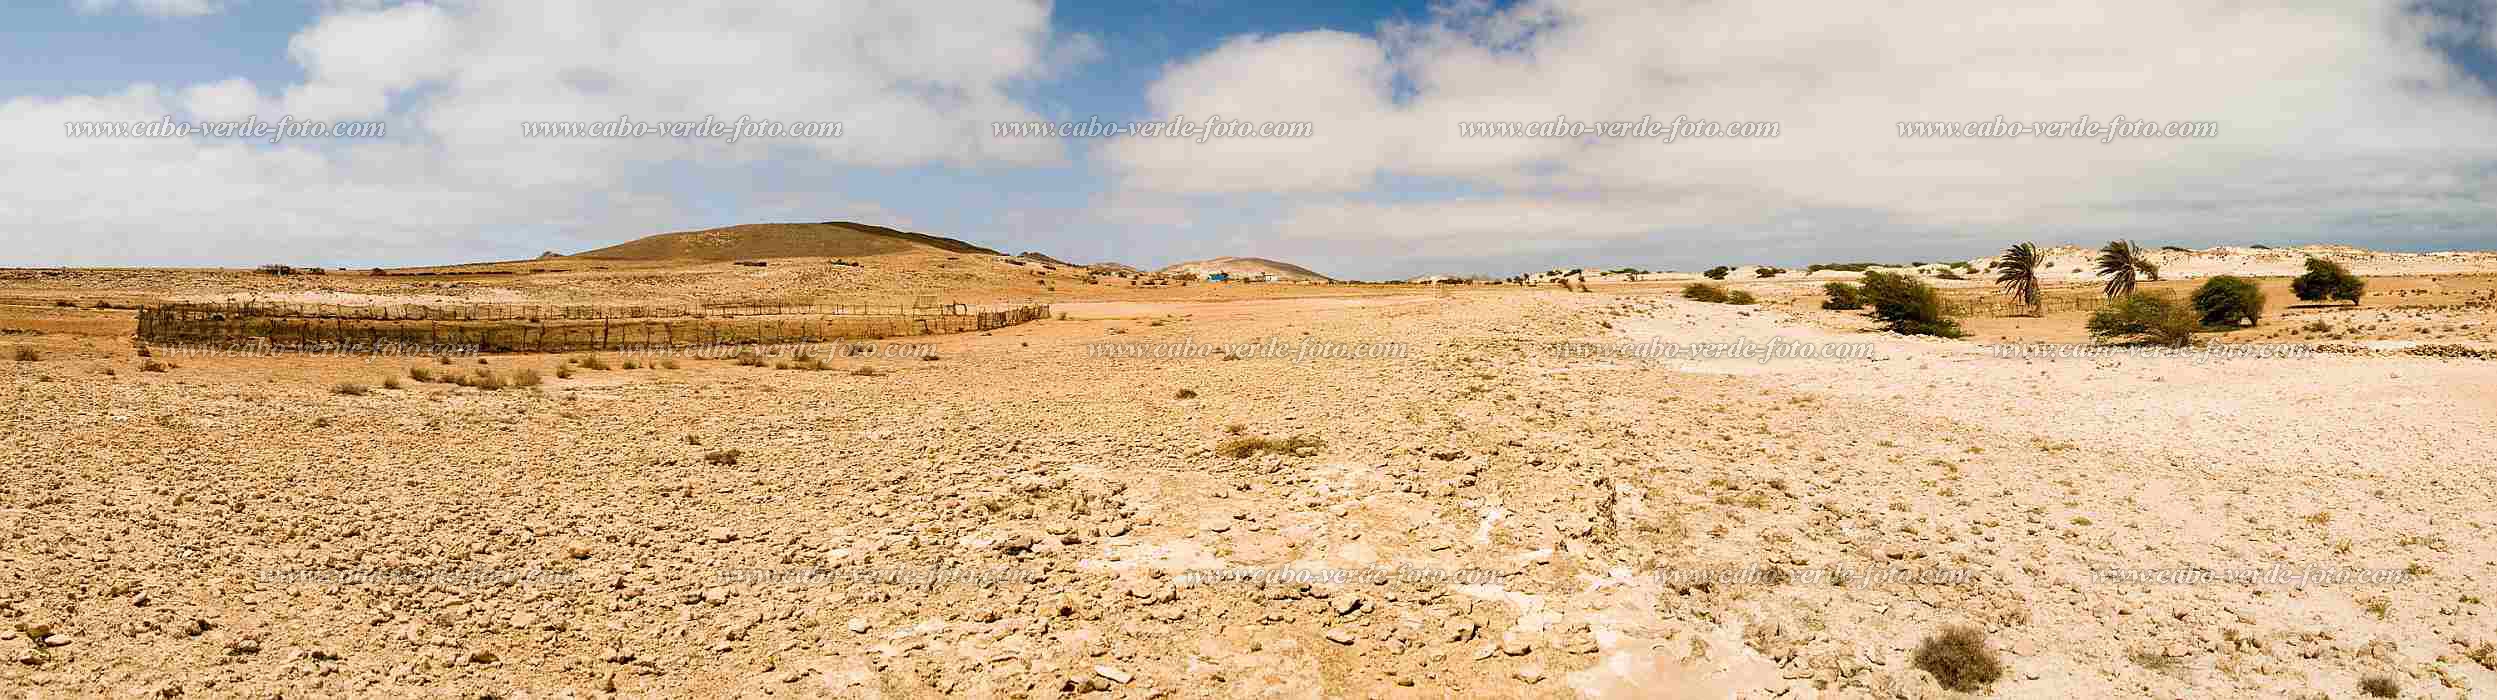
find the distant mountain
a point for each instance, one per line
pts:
(1247, 268)
(832, 239)
(1043, 257)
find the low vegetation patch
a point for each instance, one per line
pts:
(2380, 687)
(349, 389)
(2325, 279)
(722, 458)
(2151, 317)
(592, 361)
(2229, 301)
(1905, 305)
(1958, 657)
(1704, 292)
(1842, 297)
(1740, 298)
(864, 371)
(25, 354)
(526, 377)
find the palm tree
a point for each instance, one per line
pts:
(2120, 261)
(2016, 271)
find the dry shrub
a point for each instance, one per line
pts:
(1187, 394)
(27, 354)
(866, 372)
(349, 389)
(152, 366)
(391, 383)
(629, 364)
(563, 371)
(722, 458)
(1241, 447)
(669, 363)
(526, 377)
(1959, 659)
(420, 374)
(2380, 687)
(593, 361)
(484, 379)
(749, 358)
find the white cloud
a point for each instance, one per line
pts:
(2303, 94)
(912, 83)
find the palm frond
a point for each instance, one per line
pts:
(2016, 271)
(2119, 262)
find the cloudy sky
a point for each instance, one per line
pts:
(2356, 121)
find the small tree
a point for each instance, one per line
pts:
(1842, 297)
(1704, 292)
(2225, 301)
(1905, 305)
(1717, 273)
(2325, 279)
(2154, 317)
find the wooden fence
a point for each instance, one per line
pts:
(447, 330)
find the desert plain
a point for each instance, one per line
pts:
(1388, 490)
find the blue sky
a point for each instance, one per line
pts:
(2370, 123)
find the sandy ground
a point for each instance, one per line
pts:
(1499, 504)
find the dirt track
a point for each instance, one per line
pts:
(231, 527)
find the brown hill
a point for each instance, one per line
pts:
(831, 239)
(1044, 257)
(1241, 268)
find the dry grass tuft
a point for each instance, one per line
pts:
(350, 389)
(27, 354)
(1241, 447)
(1959, 659)
(526, 377)
(152, 366)
(420, 374)
(593, 361)
(2380, 687)
(1186, 394)
(391, 383)
(865, 371)
(722, 458)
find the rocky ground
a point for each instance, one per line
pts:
(1500, 506)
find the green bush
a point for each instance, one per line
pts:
(1717, 273)
(2154, 317)
(1842, 297)
(1767, 271)
(2325, 279)
(2226, 300)
(1905, 305)
(1703, 291)
(1740, 298)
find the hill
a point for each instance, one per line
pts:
(1044, 257)
(1247, 267)
(831, 239)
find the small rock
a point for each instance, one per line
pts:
(858, 625)
(1339, 636)
(1530, 673)
(1115, 675)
